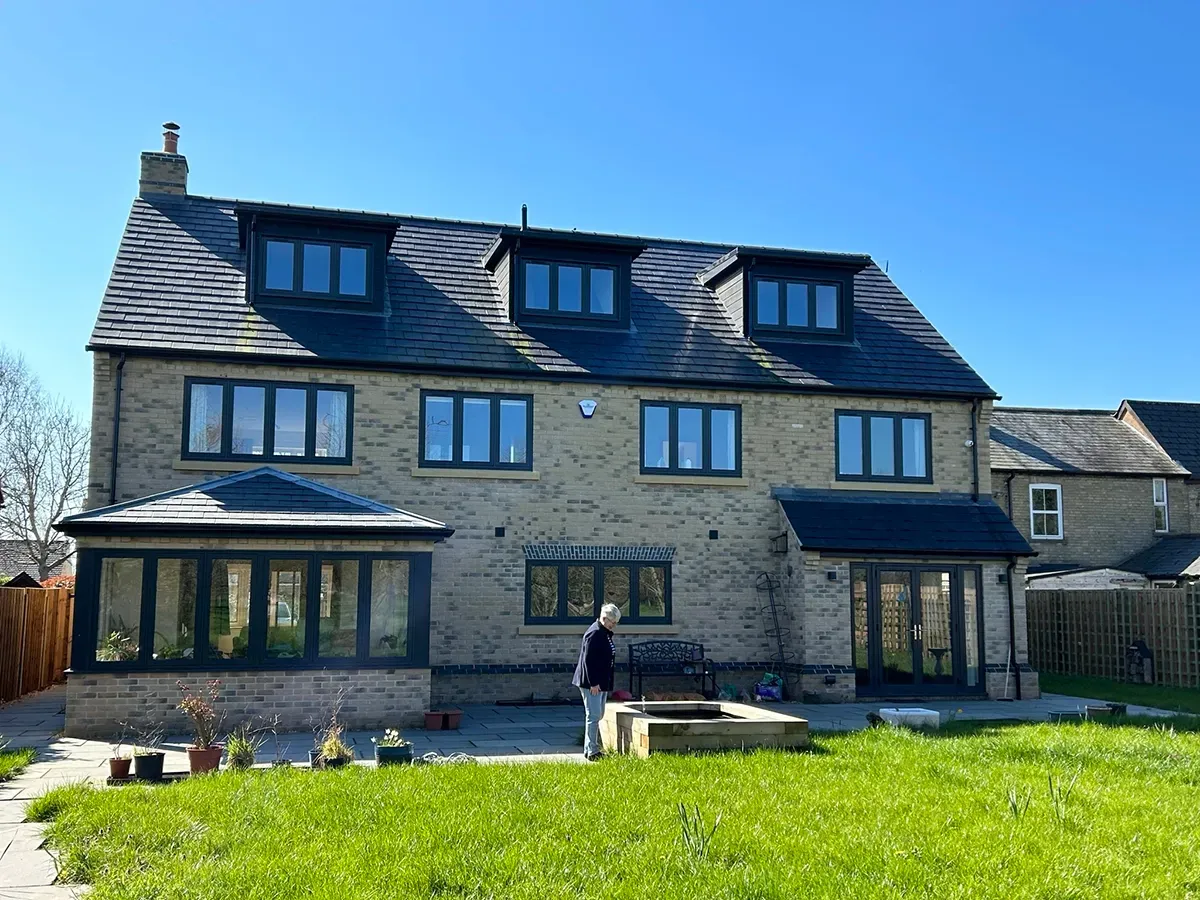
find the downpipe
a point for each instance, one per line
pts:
(116, 430)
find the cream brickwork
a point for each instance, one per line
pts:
(1106, 518)
(97, 704)
(586, 489)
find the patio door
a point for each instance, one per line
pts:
(915, 629)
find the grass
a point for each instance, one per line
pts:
(975, 811)
(13, 761)
(1176, 699)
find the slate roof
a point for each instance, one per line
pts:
(1073, 441)
(1177, 556)
(15, 558)
(1176, 427)
(942, 524)
(262, 500)
(178, 286)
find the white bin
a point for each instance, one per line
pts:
(911, 717)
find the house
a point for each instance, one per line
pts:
(16, 559)
(408, 458)
(1090, 492)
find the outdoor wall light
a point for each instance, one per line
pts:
(831, 679)
(712, 534)
(1002, 578)
(831, 574)
(499, 531)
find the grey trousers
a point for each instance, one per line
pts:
(593, 710)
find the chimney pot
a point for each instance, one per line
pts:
(171, 138)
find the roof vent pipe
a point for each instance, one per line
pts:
(171, 138)
(524, 216)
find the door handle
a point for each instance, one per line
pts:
(916, 632)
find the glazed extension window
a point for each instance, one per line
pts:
(691, 439)
(883, 447)
(476, 431)
(573, 591)
(267, 421)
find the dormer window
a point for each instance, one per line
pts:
(785, 305)
(300, 257)
(567, 289)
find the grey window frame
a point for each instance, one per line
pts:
(298, 233)
(672, 467)
(1165, 505)
(585, 259)
(598, 566)
(335, 255)
(268, 455)
(811, 276)
(898, 439)
(457, 462)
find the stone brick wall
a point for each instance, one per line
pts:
(97, 704)
(585, 488)
(1106, 518)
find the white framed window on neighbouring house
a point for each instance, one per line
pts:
(1045, 511)
(1162, 521)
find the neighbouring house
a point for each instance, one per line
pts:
(409, 458)
(1089, 491)
(16, 559)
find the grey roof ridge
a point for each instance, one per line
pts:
(1192, 403)
(479, 223)
(1065, 410)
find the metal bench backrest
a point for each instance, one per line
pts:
(665, 652)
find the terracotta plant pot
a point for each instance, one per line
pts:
(453, 718)
(149, 766)
(204, 760)
(118, 766)
(435, 721)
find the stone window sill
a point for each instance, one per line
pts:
(214, 465)
(496, 474)
(692, 480)
(893, 486)
(578, 630)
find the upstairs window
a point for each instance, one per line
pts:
(883, 447)
(266, 421)
(691, 439)
(561, 288)
(315, 269)
(476, 431)
(1045, 512)
(797, 305)
(1162, 521)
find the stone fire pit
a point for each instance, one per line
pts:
(680, 726)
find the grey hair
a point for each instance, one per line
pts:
(610, 611)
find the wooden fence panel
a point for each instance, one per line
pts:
(1090, 632)
(35, 639)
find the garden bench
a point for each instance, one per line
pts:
(684, 658)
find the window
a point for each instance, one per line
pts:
(568, 289)
(261, 421)
(573, 591)
(216, 610)
(1162, 521)
(691, 439)
(790, 305)
(1045, 511)
(883, 447)
(314, 269)
(476, 431)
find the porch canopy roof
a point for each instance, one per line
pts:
(902, 524)
(1177, 556)
(263, 502)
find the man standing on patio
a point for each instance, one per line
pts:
(594, 674)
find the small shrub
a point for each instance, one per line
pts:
(52, 803)
(201, 710)
(242, 746)
(696, 836)
(149, 740)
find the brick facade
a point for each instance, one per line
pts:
(585, 488)
(1106, 518)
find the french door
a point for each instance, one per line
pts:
(916, 629)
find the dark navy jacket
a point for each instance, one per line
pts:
(597, 659)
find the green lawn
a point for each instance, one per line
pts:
(13, 761)
(877, 814)
(1173, 698)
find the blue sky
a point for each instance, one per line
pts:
(1028, 172)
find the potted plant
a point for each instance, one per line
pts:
(148, 756)
(330, 751)
(205, 753)
(392, 749)
(119, 762)
(242, 746)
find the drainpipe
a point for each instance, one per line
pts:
(116, 429)
(1012, 625)
(1008, 493)
(975, 450)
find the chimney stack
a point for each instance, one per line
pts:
(165, 172)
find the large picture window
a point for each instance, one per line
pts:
(883, 447)
(251, 610)
(691, 439)
(573, 591)
(476, 431)
(267, 421)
